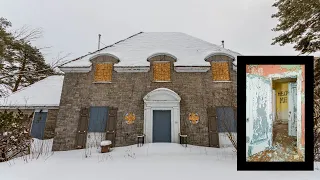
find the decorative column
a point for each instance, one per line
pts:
(147, 125)
(176, 118)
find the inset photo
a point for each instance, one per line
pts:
(275, 113)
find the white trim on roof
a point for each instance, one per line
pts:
(191, 69)
(75, 69)
(132, 69)
(29, 107)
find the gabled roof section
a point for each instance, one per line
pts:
(136, 49)
(46, 92)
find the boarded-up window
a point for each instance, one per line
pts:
(103, 72)
(161, 71)
(220, 71)
(226, 119)
(98, 119)
(38, 125)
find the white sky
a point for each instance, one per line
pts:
(72, 26)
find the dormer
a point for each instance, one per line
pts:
(221, 65)
(102, 67)
(161, 65)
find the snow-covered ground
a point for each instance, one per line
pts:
(149, 162)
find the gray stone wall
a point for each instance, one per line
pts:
(126, 92)
(50, 123)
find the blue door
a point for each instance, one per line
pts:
(38, 125)
(98, 119)
(161, 126)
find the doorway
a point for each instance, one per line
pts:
(284, 133)
(160, 104)
(272, 106)
(161, 126)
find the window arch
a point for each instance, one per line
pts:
(220, 66)
(103, 67)
(161, 66)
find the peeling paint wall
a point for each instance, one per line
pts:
(287, 71)
(259, 117)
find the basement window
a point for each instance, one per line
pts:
(161, 71)
(103, 72)
(220, 71)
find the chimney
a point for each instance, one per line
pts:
(222, 43)
(99, 41)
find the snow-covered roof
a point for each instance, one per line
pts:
(135, 50)
(45, 92)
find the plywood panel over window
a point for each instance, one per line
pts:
(103, 72)
(220, 71)
(161, 71)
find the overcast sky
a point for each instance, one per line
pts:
(72, 26)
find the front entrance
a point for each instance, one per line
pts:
(161, 126)
(161, 116)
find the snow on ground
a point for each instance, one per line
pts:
(151, 161)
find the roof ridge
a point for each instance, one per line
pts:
(101, 49)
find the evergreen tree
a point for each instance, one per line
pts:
(5, 38)
(299, 24)
(22, 64)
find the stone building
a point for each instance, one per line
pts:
(162, 85)
(157, 84)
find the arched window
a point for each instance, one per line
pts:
(103, 67)
(161, 66)
(220, 67)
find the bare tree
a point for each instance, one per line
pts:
(22, 63)
(27, 34)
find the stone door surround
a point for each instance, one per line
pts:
(162, 99)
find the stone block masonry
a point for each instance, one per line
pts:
(126, 92)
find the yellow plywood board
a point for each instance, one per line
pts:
(220, 71)
(282, 100)
(103, 73)
(161, 71)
